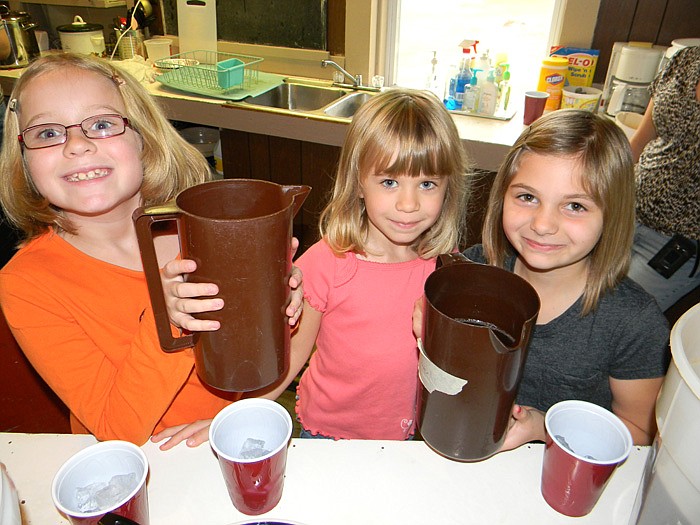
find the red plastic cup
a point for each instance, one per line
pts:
(99, 464)
(250, 438)
(534, 106)
(584, 444)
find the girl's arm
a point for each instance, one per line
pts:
(646, 132)
(633, 401)
(115, 394)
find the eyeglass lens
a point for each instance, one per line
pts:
(96, 127)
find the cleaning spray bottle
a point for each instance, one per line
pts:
(460, 80)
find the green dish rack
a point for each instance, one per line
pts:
(209, 72)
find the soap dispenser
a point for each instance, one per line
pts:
(489, 96)
(504, 92)
(471, 95)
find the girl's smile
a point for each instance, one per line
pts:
(548, 216)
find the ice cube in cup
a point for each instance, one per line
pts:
(250, 438)
(106, 477)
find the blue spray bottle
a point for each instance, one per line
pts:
(459, 81)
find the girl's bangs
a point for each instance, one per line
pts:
(407, 155)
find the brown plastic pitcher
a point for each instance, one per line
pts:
(476, 327)
(239, 233)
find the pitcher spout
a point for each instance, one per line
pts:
(298, 194)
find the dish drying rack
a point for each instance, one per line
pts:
(209, 72)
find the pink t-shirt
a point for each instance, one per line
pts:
(362, 379)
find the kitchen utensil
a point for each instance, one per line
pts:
(477, 322)
(239, 232)
(130, 43)
(103, 463)
(18, 43)
(250, 438)
(82, 38)
(581, 97)
(669, 491)
(157, 48)
(211, 73)
(202, 138)
(584, 445)
(196, 25)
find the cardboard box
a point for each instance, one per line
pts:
(582, 63)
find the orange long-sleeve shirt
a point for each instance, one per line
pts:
(88, 329)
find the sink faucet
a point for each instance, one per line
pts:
(356, 80)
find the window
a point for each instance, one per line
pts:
(514, 31)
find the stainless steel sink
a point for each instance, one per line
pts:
(299, 97)
(348, 105)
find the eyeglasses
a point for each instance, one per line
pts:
(97, 127)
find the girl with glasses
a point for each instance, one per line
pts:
(84, 146)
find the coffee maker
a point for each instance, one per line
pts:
(632, 69)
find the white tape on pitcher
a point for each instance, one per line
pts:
(435, 378)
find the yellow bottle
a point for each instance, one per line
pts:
(552, 79)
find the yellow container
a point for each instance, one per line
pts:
(552, 79)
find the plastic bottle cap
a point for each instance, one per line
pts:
(556, 62)
(506, 75)
(473, 81)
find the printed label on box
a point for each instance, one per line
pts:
(582, 63)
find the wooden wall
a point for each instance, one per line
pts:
(656, 21)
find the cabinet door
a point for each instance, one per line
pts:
(284, 161)
(656, 21)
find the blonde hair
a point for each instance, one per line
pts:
(417, 126)
(170, 164)
(607, 174)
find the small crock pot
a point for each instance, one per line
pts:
(82, 38)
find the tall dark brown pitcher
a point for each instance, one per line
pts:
(239, 233)
(477, 322)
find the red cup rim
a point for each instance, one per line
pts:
(597, 409)
(242, 405)
(88, 452)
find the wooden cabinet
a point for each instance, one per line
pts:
(656, 21)
(284, 161)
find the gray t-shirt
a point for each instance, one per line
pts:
(625, 337)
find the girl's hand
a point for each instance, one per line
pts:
(194, 434)
(526, 424)
(179, 297)
(297, 301)
(418, 318)
(295, 283)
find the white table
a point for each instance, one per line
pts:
(332, 482)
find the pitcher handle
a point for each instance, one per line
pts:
(144, 218)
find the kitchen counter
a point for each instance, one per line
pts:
(332, 482)
(486, 140)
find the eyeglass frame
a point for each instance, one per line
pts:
(125, 120)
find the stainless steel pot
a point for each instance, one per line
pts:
(18, 44)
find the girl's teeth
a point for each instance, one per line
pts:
(92, 174)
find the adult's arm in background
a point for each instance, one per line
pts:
(646, 132)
